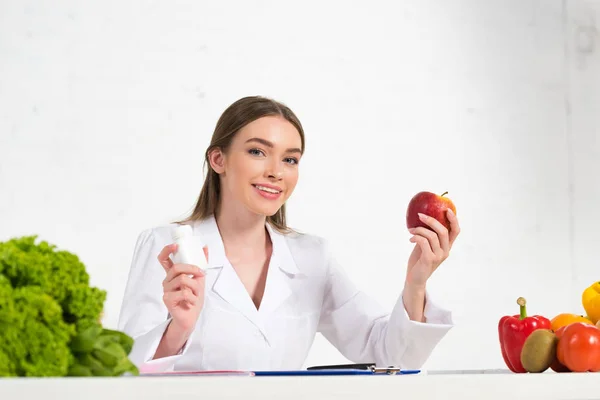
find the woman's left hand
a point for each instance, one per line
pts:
(431, 249)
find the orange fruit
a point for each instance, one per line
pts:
(565, 319)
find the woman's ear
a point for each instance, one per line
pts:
(216, 158)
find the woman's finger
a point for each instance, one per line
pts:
(438, 228)
(163, 256)
(454, 227)
(423, 243)
(173, 299)
(431, 236)
(188, 296)
(179, 269)
(181, 282)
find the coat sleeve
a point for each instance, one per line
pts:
(143, 314)
(364, 332)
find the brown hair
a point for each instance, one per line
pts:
(234, 118)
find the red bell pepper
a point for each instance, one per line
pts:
(513, 330)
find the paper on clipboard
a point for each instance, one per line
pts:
(200, 373)
(303, 372)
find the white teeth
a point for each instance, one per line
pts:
(266, 189)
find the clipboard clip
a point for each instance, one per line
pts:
(387, 371)
(368, 367)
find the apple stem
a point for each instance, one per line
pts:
(444, 193)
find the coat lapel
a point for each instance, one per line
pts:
(282, 269)
(221, 278)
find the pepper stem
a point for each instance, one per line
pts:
(522, 310)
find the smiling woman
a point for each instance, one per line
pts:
(260, 163)
(267, 290)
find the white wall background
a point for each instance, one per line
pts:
(106, 109)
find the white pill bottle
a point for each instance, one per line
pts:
(189, 247)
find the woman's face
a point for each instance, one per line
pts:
(260, 168)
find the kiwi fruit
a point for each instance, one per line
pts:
(539, 350)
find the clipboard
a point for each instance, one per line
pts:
(320, 370)
(341, 369)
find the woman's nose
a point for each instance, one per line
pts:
(275, 171)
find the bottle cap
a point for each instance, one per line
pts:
(182, 231)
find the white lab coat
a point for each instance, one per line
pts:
(306, 292)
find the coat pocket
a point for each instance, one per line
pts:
(291, 337)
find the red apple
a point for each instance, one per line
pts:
(430, 204)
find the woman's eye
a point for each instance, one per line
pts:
(292, 161)
(256, 152)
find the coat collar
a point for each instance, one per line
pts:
(223, 280)
(208, 231)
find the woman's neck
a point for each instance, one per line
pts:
(241, 230)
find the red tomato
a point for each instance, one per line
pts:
(579, 347)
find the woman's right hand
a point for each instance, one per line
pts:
(183, 290)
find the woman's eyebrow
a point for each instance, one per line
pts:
(269, 144)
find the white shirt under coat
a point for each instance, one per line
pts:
(306, 292)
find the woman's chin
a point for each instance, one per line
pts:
(266, 210)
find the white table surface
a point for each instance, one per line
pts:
(455, 385)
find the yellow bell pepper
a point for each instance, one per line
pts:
(590, 300)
